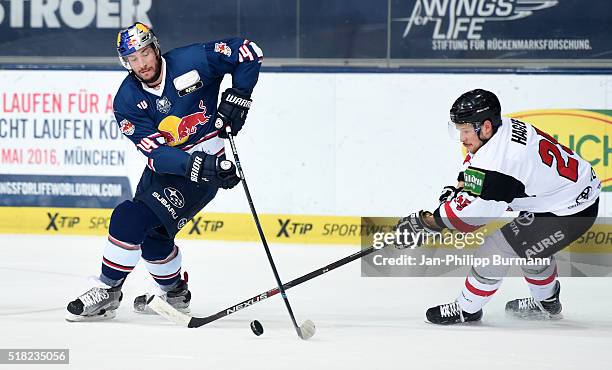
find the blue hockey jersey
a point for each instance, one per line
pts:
(168, 123)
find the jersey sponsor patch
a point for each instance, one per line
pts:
(126, 127)
(190, 89)
(186, 79)
(175, 197)
(187, 83)
(473, 181)
(583, 197)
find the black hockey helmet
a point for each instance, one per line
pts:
(475, 107)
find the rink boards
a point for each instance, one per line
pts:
(333, 148)
(278, 228)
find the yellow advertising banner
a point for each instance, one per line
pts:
(278, 228)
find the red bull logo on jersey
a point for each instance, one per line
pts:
(177, 130)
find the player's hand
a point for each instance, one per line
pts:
(449, 193)
(414, 230)
(232, 111)
(208, 169)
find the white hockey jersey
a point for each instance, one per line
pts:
(524, 169)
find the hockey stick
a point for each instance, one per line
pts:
(166, 310)
(307, 329)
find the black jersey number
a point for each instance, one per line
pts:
(550, 152)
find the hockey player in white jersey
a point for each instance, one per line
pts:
(511, 165)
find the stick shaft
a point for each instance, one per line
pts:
(261, 233)
(199, 321)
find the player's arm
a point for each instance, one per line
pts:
(198, 167)
(242, 59)
(236, 56)
(485, 196)
(467, 213)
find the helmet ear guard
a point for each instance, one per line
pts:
(134, 38)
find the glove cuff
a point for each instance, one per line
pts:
(194, 167)
(238, 92)
(198, 162)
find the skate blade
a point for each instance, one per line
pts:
(535, 316)
(465, 323)
(78, 318)
(148, 311)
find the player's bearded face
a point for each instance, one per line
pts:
(468, 137)
(146, 64)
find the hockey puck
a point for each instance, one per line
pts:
(257, 327)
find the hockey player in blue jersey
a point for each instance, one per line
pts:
(167, 107)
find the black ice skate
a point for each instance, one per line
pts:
(529, 308)
(451, 313)
(98, 303)
(178, 298)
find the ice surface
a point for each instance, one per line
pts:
(362, 323)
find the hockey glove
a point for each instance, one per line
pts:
(232, 111)
(413, 230)
(208, 169)
(449, 193)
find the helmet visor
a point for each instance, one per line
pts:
(456, 130)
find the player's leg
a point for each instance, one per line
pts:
(545, 291)
(130, 222)
(175, 200)
(541, 237)
(479, 286)
(162, 258)
(542, 280)
(527, 234)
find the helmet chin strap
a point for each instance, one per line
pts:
(478, 131)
